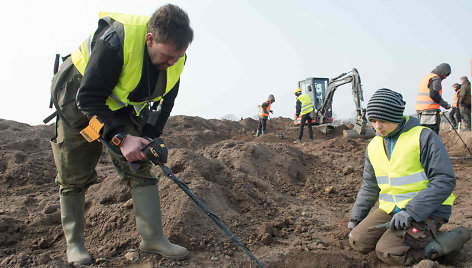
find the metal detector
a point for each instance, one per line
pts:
(470, 152)
(282, 136)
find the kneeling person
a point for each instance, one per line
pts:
(408, 170)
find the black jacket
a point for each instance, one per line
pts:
(434, 85)
(102, 74)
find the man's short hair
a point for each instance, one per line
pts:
(171, 24)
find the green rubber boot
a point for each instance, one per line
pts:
(264, 132)
(147, 209)
(73, 221)
(258, 133)
(447, 242)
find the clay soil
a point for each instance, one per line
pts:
(288, 203)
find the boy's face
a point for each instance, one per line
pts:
(383, 127)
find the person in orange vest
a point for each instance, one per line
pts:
(464, 101)
(454, 114)
(429, 98)
(264, 110)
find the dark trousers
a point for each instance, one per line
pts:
(305, 118)
(465, 113)
(262, 124)
(455, 116)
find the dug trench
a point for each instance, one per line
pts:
(288, 203)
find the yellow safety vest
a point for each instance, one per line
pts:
(307, 105)
(132, 30)
(403, 176)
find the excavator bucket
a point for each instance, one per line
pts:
(359, 132)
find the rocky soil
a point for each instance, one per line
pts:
(288, 203)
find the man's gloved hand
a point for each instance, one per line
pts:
(400, 221)
(156, 151)
(352, 224)
(271, 111)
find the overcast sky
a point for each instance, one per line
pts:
(245, 50)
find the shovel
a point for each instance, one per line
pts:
(282, 136)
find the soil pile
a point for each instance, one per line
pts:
(289, 203)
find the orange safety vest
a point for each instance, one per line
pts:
(456, 99)
(264, 113)
(423, 100)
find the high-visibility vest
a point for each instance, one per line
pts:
(456, 99)
(423, 100)
(264, 113)
(132, 30)
(403, 176)
(307, 105)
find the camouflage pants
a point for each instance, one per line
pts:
(390, 246)
(76, 160)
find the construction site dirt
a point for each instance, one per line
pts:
(288, 203)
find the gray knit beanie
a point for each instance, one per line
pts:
(386, 105)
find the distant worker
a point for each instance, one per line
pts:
(118, 75)
(264, 110)
(429, 98)
(305, 108)
(454, 114)
(464, 101)
(408, 171)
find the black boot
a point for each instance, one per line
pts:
(447, 242)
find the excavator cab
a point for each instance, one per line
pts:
(315, 87)
(321, 92)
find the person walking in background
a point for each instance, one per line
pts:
(408, 171)
(304, 107)
(464, 101)
(429, 98)
(264, 110)
(129, 64)
(454, 114)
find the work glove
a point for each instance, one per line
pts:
(352, 224)
(271, 111)
(400, 221)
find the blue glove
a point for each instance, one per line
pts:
(400, 221)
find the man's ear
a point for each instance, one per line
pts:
(149, 39)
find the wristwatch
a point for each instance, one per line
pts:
(119, 138)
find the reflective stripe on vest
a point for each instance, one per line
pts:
(403, 176)
(132, 30)
(307, 105)
(423, 99)
(264, 113)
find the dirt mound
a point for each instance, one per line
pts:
(289, 203)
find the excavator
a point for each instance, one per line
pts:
(321, 92)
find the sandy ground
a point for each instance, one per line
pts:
(288, 203)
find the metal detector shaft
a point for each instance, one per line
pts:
(457, 133)
(283, 134)
(168, 172)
